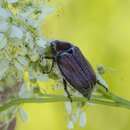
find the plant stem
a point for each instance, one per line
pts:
(115, 102)
(111, 96)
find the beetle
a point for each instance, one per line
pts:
(74, 67)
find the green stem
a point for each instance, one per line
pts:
(111, 96)
(123, 103)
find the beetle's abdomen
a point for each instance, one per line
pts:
(77, 71)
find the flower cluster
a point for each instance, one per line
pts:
(76, 114)
(21, 47)
(21, 42)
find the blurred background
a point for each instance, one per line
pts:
(101, 29)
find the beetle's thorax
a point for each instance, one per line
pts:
(61, 47)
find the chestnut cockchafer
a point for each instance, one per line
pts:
(74, 67)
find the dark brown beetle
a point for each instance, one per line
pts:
(74, 67)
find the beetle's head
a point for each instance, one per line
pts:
(60, 46)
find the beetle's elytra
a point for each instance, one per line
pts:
(74, 67)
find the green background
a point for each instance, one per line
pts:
(101, 29)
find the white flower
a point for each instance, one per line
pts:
(78, 112)
(26, 16)
(4, 26)
(27, 12)
(70, 125)
(74, 118)
(23, 114)
(41, 42)
(29, 40)
(4, 14)
(28, 37)
(22, 60)
(16, 32)
(12, 1)
(32, 22)
(82, 119)
(3, 41)
(19, 66)
(68, 107)
(33, 55)
(25, 92)
(4, 65)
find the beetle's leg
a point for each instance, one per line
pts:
(87, 93)
(53, 63)
(100, 81)
(49, 57)
(104, 86)
(66, 90)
